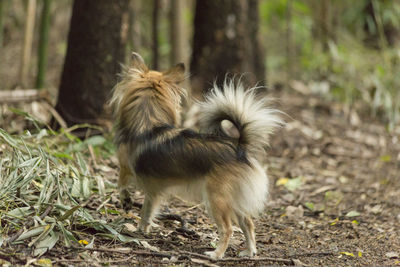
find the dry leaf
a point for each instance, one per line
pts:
(392, 255)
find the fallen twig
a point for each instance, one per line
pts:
(312, 254)
(55, 114)
(103, 262)
(22, 95)
(187, 232)
(237, 259)
(170, 254)
(136, 252)
(174, 217)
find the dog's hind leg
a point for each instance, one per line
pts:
(222, 214)
(149, 209)
(247, 226)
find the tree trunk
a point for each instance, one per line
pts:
(226, 41)
(2, 4)
(43, 44)
(323, 32)
(27, 46)
(135, 33)
(379, 34)
(95, 51)
(177, 38)
(289, 42)
(155, 22)
(259, 54)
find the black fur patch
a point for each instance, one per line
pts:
(189, 154)
(124, 136)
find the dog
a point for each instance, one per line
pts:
(219, 165)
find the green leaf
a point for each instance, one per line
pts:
(68, 213)
(95, 140)
(293, 184)
(68, 236)
(31, 233)
(47, 229)
(63, 155)
(309, 205)
(46, 244)
(44, 263)
(127, 239)
(85, 187)
(76, 188)
(19, 212)
(385, 158)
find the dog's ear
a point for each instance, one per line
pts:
(176, 74)
(137, 62)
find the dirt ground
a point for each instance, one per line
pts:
(335, 201)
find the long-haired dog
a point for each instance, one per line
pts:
(219, 166)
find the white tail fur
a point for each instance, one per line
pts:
(254, 120)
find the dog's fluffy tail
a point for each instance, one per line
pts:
(238, 113)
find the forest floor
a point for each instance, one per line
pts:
(335, 201)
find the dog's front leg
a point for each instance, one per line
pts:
(125, 177)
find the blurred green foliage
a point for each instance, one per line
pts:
(359, 59)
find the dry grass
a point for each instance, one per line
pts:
(44, 175)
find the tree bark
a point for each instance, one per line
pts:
(381, 34)
(2, 4)
(135, 33)
(289, 43)
(322, 12)
(27, 46)
(226, 41)
(155, 22)
(177, 39)
(43, 44)
(95, 51)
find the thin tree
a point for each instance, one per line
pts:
(224, 36)
(289, 42)
(43, 44)
(322, 12)
(380, 33)
(27, 46)
(135, 33)
(155, 26)
(95, 51)
(177, 35)
(2, 7)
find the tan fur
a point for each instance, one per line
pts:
(222, 189)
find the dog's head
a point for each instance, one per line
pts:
(141, 87)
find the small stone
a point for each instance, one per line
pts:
(294, 213)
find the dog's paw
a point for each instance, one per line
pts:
(127, 203)
(214, 254)
(248, 253)
(145, 227)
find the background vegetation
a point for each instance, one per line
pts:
(348, 51)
